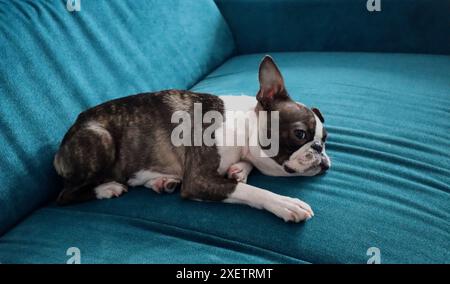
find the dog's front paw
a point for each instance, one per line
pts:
(239, 171)
(289, 209)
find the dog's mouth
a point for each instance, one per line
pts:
(289, 170)
(318, 169)
(324, 164)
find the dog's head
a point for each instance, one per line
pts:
(302, 135)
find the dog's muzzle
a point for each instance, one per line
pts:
(309, 160)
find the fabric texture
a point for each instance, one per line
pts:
(388, 118)
(55, 63)
(419, 26)
(388, 122)
(48, 234)
(387, 115)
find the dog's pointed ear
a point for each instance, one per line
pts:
(271, 82)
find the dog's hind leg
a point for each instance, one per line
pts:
(75, 194)
(109, 190)
(84, 160)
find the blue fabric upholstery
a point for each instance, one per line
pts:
(338, 25)
(55, 64)
(46, 236)
(388, 187)
(388, 118)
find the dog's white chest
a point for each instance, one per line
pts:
(232, 137)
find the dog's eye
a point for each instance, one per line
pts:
(300, 134)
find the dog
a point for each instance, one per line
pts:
(128, 142)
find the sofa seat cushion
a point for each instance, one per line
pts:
(388, 119)
(50, 233)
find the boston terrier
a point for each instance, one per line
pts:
(129, 142)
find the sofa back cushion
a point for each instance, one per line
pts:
(413, 26)
(56, 63)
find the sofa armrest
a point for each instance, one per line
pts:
(412, 26)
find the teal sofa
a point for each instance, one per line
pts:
(381, 79)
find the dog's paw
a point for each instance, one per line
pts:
(239, 171)
(289, 209)
(163, 184)
(109, 190)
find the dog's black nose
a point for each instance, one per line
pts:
(325, 166)
(317, 146)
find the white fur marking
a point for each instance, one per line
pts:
(147, 178)
(230, 155)
(109, 190)
(59, 165)
(289, 209)
(97, 127)
(318, 135)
